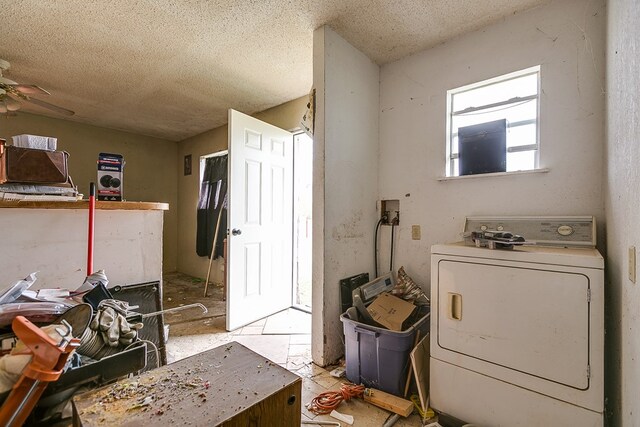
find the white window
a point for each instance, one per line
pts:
(514, 97)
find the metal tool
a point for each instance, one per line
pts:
(171, 310)
(132, 314)
(493, 239)
(391, 420)
(215, 241)
(46, 365)
(321, 423)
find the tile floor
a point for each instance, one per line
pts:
(191, 333)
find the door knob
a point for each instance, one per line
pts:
(236, 232)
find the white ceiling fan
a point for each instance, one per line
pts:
(12, 94)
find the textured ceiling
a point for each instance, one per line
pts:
(172, 68)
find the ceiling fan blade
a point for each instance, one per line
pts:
(50, 106)
(30, 89)
(11, 104)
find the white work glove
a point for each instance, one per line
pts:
(111, 322)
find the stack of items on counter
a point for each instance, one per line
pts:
(386, 340)
(103, 331)
(32, 169)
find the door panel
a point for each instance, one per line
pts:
(252, 262)
(260, 261)
(253, 192)
(532, 321)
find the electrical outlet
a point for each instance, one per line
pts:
(415, 232)
(632, 264)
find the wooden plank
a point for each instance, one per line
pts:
(227, 386)
(410, 373)
(84, 204)
(387, 401)
(420, 363)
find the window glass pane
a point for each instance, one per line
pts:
(526, 110)
(521, 161)
(497, 92)
(521, 135)
(516, 135)
(521, 116)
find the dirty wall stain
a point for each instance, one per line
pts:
(350, 229)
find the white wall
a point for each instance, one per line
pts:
(623, 209)
(567, 39)
(345, 179)
(53, 242)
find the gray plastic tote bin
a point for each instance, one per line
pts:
(378, 357)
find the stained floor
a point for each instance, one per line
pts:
(191, 332)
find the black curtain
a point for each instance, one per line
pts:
(212, 203)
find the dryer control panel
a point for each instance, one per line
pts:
(570, 231)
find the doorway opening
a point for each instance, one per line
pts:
(211, 217)
(302, 220)
(274, 271)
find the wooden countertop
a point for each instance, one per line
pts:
(84, 204)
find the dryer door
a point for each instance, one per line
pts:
(528, 320)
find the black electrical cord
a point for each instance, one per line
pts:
(393, 226)
(375, 245)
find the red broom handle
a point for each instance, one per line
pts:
(92, 214)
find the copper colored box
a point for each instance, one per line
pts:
(30, 166)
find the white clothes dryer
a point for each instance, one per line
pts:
(517, 336)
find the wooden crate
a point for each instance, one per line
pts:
(227, 386)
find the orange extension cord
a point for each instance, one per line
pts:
(326, 402)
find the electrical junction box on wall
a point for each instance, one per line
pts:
(110, 177)
(390, 208)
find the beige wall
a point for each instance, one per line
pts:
(150, 173)
(286, 116)
(622, 207)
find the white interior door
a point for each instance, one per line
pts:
(260, 215)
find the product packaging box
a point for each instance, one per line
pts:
(110, 177)
(390, 311)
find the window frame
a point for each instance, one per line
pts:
(451, 156)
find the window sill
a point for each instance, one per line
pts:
(487, 175)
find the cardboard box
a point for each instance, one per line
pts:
(390, 311)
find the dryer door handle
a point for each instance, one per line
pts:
(454, 311)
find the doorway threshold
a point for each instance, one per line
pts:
(301, 307)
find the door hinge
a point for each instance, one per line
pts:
(588, 295)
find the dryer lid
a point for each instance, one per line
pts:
(571, 257)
